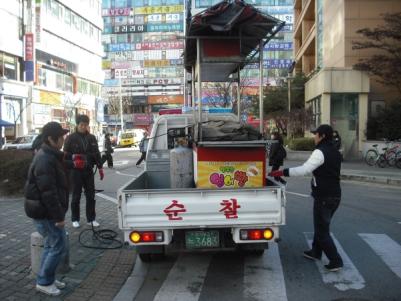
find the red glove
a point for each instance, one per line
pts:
(79, 164)
(276, 173)
(101, 174)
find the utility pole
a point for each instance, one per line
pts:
(289, 78)
(121, 108)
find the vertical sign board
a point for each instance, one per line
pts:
(37, 20)
(29, 58)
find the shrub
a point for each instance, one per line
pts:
(301, 144)
(14, 165)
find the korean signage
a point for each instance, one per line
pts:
(278, 10)
(159, 9)
(278, 46)
(228, 208)
(164, 99)
(129, 28)
(146, 46)
(142, 119)
(29, 58)
(129, 73)
(165, 27)
(163, 18)
(156, 63)
(37, 21)
(273, 64)
(152, 81)
(289, 19)
(41, 114)
(49, 98)
(116, 12)
(287, 28)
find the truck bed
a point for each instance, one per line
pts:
(148, 203)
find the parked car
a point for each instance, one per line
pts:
(23, 142)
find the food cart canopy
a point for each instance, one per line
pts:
(230, 32)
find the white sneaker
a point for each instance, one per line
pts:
(75, 224)
(50, 290)
(94, 223)
(59, 284)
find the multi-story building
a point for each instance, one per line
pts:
(323, 36)
(63, 39)
(13, 91)
(50, 64)
(143, 66)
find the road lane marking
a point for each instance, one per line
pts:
(347, 278)
(263, 276)
(185, 280)
(134, 282)
(106, 197)
(121, 162)
(299, 194)
(387, 249)
(125, 174)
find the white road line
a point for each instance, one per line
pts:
(399, 223)
(186, 278)
(121, 162)
(347, 278)
(134, 282)
(264, 278)
(125, 174)
(106, 197)
(387, 249)
(299, 194)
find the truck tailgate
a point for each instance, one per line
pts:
(194, 208)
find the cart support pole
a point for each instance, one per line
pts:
(198, 64)
(261, 86)
(193, 88)
(239, 95)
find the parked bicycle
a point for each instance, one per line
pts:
(390, 155)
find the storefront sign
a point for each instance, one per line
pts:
(278, 10)
(37, 21)
(49, 98)
(159, 9)
(129, 73)
(55, 61)
(140, 100)
(164, 99)
(156, 63)
(116, 11)
(278, 46)
(273, 64)
(29, 58)
(165, 27)
(129, 28)
(41, 114)
(287, 28)
(142, 119)
(57, 64)
(152, 81)
(159, 45)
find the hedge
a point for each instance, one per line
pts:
(301, 144)
(14, 165)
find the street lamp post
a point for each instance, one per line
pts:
(121, 109)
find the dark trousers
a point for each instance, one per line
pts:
(109, 158)
(280, 179)
(143, 157)
(323, 211)
(83, 179)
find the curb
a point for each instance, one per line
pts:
(372, 179)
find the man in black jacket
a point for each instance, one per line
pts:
(81, 147)
(46, 201)
(325, 165)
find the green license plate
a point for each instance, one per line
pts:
(202, 239)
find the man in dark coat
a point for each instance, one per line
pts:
(325, 165)
(46, 201)
(81, 147)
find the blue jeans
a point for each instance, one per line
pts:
(53, 251)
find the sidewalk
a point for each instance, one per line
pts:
(95, 275)
(360, 171)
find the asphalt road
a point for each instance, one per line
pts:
(366, 227)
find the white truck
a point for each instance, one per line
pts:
(156, 218)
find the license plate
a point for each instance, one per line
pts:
(202, 239)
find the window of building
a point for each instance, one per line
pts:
(315, 105)
(106, 3)
(120, 3)
(122, 38)
(154, 2)
(138, 3)
(58, 115)
(42, 77)
(8, 66)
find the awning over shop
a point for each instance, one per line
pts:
(230, 32)
(5, 123)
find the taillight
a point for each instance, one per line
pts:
(146, 236)
(256, 234)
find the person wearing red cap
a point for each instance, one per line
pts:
(82, 148)
(325, 166)
(46, 202)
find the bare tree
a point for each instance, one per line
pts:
(386, 39)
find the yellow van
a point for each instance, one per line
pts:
(126, 139)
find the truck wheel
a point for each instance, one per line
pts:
(145, 257)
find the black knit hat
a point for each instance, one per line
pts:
(82, 118)
(325, 129)
(53, 129)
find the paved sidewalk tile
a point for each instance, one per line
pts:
(95, 275)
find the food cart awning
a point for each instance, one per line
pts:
(230, 33)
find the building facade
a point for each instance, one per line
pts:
(143, 43)
(50, 64)
(337, 94)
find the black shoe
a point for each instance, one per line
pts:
(334, 267)
(312, 255)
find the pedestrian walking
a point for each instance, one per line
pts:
(82, 148)
(325, 165)
(277, 154)
(46, 202)
(108, 150)
(143, 147)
